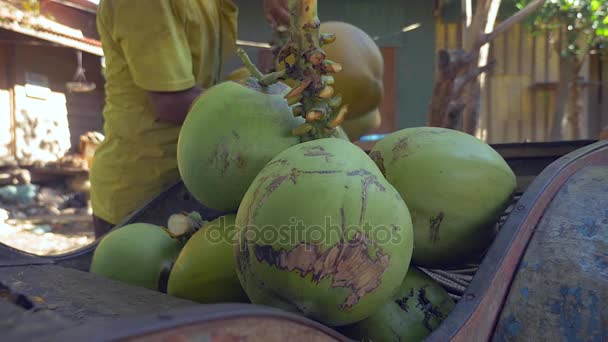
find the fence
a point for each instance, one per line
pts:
(518, 97)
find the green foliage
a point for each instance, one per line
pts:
(584, 22)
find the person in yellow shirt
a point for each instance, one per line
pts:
(160, 56)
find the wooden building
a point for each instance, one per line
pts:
(41, 118)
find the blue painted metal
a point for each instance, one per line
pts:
(561, 288)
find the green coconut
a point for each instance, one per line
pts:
(455, 185)
(340, 133)
(139, 254)
(205, 270)
(230, 133)
(323, 234)
(415, 311)
(360, 126)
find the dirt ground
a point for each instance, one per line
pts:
(49, 220)
(63, 239)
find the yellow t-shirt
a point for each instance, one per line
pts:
(155, 45)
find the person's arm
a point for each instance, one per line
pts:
(173, 107)
(153, 41)
(276, 13)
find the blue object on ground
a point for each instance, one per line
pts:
(21, 194)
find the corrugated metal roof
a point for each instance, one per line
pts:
(40, 27)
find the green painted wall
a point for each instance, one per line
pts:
(382, 18)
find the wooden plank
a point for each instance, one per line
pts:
(595, 88)
(535, 113)
(210, 322)
(541, 115)
(500, 108)
(514, 108)
(498, 45)
(243, 329)
(551, 97)
(28, 324)
(81, 296)
(527, 52)
(513, 52)
(532, 151)
(540, 59)
(526, 108)
(452, 42)
(552, 63)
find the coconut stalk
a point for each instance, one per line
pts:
(305, 63)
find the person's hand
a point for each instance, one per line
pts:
(276, 12)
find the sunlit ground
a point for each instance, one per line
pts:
(55, 221)
(34, 239)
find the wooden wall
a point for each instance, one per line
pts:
(6, 135)
(46, 121)
(519, 93)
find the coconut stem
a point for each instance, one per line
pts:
(263, 79)
(253, 70)
(305, 63)
(320, 107)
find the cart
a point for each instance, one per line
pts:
(545, 276)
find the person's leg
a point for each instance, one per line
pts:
(101, 227)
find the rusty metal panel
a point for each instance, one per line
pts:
(562, 281)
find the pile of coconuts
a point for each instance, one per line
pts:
(318, 227)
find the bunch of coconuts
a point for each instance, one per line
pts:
(319, 227)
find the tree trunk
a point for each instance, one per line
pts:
(460, 81)
(457, 91)
(482, 24)
(472, 107)
(446, 104)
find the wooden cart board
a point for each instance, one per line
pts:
(220, 322)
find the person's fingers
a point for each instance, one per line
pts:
(282, 15)
(276, 12)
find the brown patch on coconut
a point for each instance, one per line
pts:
(347, 264)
